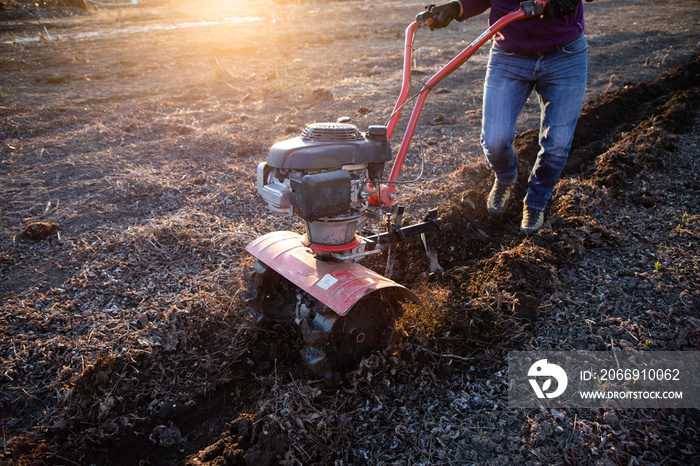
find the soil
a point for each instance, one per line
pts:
(130, 138)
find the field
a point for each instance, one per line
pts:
(131, 135)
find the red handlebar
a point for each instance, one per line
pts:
(527, 9)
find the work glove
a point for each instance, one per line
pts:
(443, 15)
(558, 8)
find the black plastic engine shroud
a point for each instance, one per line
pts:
(329, 146)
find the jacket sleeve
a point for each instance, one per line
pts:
(473, 7)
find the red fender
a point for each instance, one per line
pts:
(338, 285)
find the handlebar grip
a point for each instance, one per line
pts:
(533, 7)
(426, 17)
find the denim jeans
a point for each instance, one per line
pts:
(559, 79)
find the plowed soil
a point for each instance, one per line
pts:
(129, 139)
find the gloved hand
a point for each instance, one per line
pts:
(558, 8)
(444, 14)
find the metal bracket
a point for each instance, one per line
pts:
(429, 241)
(393, 227)
(426, 229)
(431, 222)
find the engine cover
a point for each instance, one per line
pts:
(331, 145)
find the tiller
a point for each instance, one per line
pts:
(332, 177)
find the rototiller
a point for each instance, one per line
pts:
(332, 177)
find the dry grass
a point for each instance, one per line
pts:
(125, 335)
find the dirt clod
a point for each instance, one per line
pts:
(38, 231)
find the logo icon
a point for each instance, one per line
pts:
(551, 371)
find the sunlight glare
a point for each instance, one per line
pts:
(219, 9)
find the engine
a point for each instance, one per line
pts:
(325, 176)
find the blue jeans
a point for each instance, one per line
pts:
(559, 79)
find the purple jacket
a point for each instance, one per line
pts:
(530, 35)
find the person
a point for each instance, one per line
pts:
(547, 54)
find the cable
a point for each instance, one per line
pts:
(412, 99)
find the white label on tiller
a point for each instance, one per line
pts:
(326, 282)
